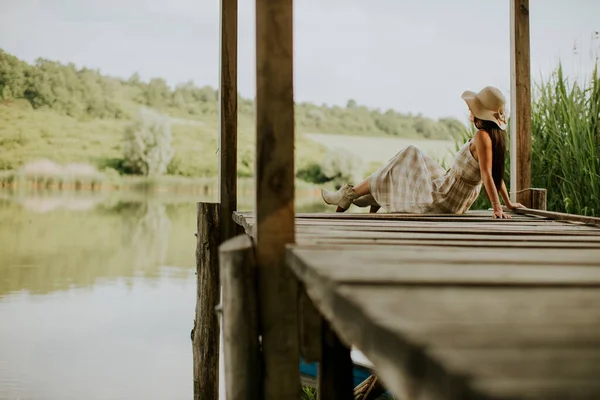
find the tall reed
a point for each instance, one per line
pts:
(566, 143)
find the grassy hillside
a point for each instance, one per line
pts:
(65, 114)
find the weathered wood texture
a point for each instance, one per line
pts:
(538, 199)
(228, 117)
(520, 118)
(240, 320)
(563, 216)
(205, 334)
(275, 197)
(459, 307)
(335, 368)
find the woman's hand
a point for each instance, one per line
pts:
(498, 213)
(512, 206)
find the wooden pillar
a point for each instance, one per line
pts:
(228, 117)
(520, 121)
(335, 368)
(240, 319)
(205, 334)
(275, 197)
(538, 199)
(309, 320)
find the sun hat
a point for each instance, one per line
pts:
(487, 105)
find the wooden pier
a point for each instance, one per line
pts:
(456, 307)
(444, 306)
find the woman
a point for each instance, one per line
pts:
(412, 182)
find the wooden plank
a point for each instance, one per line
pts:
(520, 141)
(228, 116)
(561, 216)
(468, 305)
(476, 214)
(335, 381)
(574, 389)
(326, 241)
(241, 346)
(430, 268)
(275, 197)
(464, 237)
(536, 363)
(379, 323)
(205, 334)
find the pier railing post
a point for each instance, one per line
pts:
(205, 334)
(520, 129)
(241, 348)
(275, 197)
(228, 117)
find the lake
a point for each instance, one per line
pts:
(97, 294)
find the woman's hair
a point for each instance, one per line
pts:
(498, 148)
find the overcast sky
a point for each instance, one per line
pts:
(413, 56)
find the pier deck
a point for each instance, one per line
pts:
(458, 307)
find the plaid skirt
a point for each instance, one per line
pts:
(412, 182)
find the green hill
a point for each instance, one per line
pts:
(69, 114)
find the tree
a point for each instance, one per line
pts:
(147, 144)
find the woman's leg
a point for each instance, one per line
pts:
(362, 188)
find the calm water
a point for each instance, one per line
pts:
(97, 296)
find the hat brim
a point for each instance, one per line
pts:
(478, 109)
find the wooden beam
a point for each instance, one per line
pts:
(520, 120)
(205, 334)
(228, 117)
(275, 197)
(241, 346)
(561, 216)
(335, 380)
(310, 328)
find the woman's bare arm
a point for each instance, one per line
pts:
(484, 151)
(506, 198)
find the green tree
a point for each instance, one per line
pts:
(147, 144)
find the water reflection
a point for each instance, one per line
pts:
(97, 294)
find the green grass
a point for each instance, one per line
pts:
(27, 135)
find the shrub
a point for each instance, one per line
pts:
(147, 144)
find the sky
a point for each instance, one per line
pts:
(412, 56)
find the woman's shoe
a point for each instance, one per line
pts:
(343, 198)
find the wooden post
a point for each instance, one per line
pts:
(275, 197)
(538, 199)
(335, 380)
(309, 320)
(228, 117)
(520, 121)
(205, 334)
(240, 320)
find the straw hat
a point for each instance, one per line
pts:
(487, 105)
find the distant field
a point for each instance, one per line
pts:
(381, 149)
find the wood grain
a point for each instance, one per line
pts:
(205, 334)
(520, 118)
(241, 346)
(228, 117)
(277, 287)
